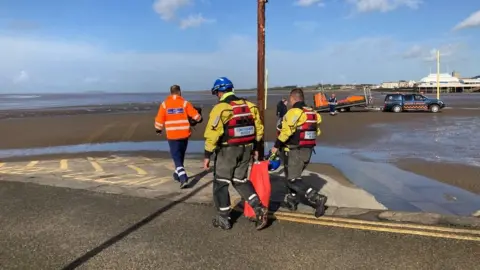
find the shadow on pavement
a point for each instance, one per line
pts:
(196, 178)
(92, 253)
(279, 190)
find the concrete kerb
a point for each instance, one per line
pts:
(419, 218)
(341, 207)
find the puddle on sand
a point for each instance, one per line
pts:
(442, 139)
(396, 189)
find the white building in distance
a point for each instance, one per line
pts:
(449, 83)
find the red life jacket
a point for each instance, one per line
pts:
(240, 130)
(306, 134)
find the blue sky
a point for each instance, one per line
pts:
(147, 45)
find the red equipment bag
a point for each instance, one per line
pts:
(260, 179)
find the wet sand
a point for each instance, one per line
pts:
(462, 176)
(69, 126)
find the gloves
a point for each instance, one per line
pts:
(193, 122)
(158, 131)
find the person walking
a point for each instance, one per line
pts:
(175, 115)
(296, 140)
(332, 103)
(281, 109)
(233, 131)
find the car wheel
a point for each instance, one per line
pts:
(434, 108)
(397, 109)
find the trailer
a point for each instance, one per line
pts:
(345, 105)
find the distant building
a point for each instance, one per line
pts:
(448, 83)
(456, 74)
(445, 79)
(469, 81)
(389, 85)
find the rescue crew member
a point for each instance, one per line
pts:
(174, 115)
(332, 103)
(232, 132)
(297, 138)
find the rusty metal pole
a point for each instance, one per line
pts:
(261, 67)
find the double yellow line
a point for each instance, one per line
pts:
(401, 228)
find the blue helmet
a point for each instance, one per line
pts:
(222, 84)
(274, 162)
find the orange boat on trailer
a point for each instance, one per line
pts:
(321, 102)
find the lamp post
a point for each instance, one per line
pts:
(261, 66)
(438, 74)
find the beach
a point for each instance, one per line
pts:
(367, 135)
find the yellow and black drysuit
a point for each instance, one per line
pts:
(233, 130)
(296, 140)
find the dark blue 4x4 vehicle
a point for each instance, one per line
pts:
(411, 102)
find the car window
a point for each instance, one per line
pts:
(419, 98)
(393, 98)
(408, 97)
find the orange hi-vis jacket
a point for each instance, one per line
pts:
(173, 116)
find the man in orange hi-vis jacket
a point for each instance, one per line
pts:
(175, 116)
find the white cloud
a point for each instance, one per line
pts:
(448, 52)
(415, 51)
(472, 21)
(307, 3)
(167, 8)
(194, 21)
(383, 5)
(60, 65)
(21, 77)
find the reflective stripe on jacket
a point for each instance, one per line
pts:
(173, 116)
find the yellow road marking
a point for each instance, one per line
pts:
(127, 135)
(95, 165)
(159, 181)
(147, 182)
(136, 182)
(32, 164)
(378, 223)
(378, 229)
(139, 171)
(116, 159)
(64, 164)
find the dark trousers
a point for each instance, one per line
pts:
(231, 167)
(177, 151)
(295, 161)
(332, 108)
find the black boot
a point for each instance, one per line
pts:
(318, 201)
(290, 202)
(261, 213)
(222, 220)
